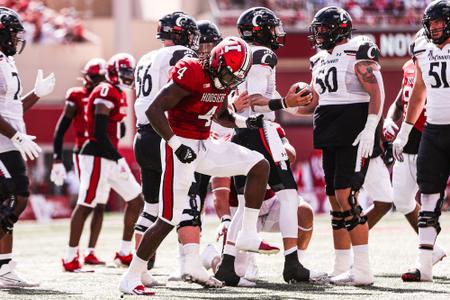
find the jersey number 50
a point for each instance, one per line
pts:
(327, 81)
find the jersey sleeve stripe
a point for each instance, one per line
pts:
(105, 102)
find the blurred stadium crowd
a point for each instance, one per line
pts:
(44, 25)
(298, 13)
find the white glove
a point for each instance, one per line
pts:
(366, 138)
(58, 174)
(389, 129)
(223, 228)
(24, 143)
(123, 169)
(43, 87)
(401, 140)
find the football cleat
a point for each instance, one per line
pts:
(133, 286)
(208, 256)
(194, 272)
(414, 275)
(295, 272)
(151, 262)
(252, 269)
(349, 278)
(254, 244)
(92, 259)
(226, 274)
(72, 266)
(123, 260)
(10, 279)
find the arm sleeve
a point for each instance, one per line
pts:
(61, 128)
(100, 134)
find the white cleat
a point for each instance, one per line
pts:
(315, 276)
(243, 282)
(253, 243)
(208, 256)
(10, 279)
(438, 254)
(133, 286)
(149, 281)
(349, 278)
(194, 272)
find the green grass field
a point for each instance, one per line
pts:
(39, 248)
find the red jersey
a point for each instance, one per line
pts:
(192, 117)
(116, 100)
(78, 97)
(409, 74)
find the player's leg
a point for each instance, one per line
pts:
(346, 183)
(379, 187)
(90, 257)
(93, 188)
(433, 168)
(123, 182)
(14, 193)
(305, 227)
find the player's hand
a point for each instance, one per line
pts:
(58, 174)
(255, 122)
(300, 98)
(389, 129)
(401, 140)
(366, 138)
(241, 101)
(258, 100)
(24, 143)
(223, 228)
(123, 168)
(185, 154)
(44, 86)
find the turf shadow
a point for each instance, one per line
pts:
(37, 292)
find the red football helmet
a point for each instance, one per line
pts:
(120, 70)
(230, 62)
(94, 72)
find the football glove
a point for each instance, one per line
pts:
(44, 86)
(401, 140)
(184, 153)
(389, 129)
(255, 122)
(24, 143)
(366, 138)
(223, 228)
(58, 174)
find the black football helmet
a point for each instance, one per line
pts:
(338, 23)
(209, 32)
(261, 25)
(12, 33)
(180, 28)
(437, 10)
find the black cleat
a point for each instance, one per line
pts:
(294, 271)
(225, 271)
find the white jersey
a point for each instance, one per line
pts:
(333, 74)
(152, 73)
(435, 66)
(261, 78)
(10, 100)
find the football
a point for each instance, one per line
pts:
(300, 86)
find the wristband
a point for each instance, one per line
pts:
(277, 104)
(240, 121)
(174, 142)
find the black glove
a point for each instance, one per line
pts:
(185, 154)
(255, 122)
(388, 155)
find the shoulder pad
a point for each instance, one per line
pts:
(179, 54)
(265, 57)
(74, 93)
(367, 50)
(418, 46)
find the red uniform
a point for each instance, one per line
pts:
(191, 118)
(78, 97)
(113, 98)
(409, 74)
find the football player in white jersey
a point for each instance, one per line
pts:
(348, 97)
(432, 56)
(180, 37)
(15, 145)
(264, 31)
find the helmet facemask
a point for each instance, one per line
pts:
(325, 36)
(445, 30)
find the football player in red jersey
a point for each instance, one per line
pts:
(101, 165)
(74, 110)
(196, 94)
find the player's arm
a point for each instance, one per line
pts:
(369, 75)
(123, 129)
(42, 87)
(101, 118)
(63, 124)
(393, 115)
(231, 120)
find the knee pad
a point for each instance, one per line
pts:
(192, 216)
(429, 219)
(338, 222)
(7, 217)
(355, 214)
(144, 221)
